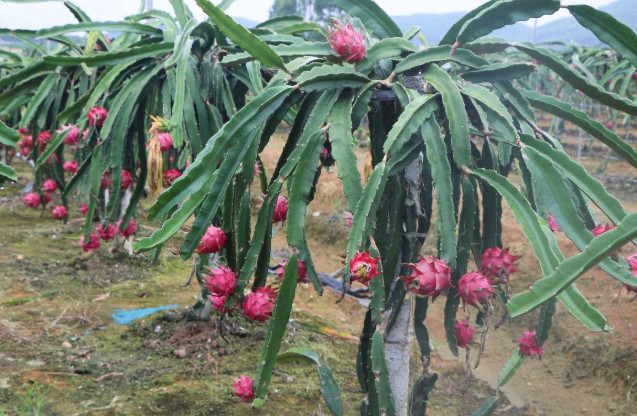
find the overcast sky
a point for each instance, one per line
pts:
(39, 15)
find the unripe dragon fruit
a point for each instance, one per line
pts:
(171, 176)
(601, 229)
(127, 179)
(83, 208)
(464, 333)
(280, 210)
(49, 186)
(243, 388)
(60, 212)
(106, 233)
(93, 243)
(74, 134)
(97, 116)
(130, 229)
(363, 267)
(474, 289)
(496, 262)
(214, 240)
(32, 200)
(165, 141)
(528, 344)
(70, 167)
(346, 42)
(280, 270)
(429, 277)
(222, 281)
(552, 224)
(259, 304)
(105, 181)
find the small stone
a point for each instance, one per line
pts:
(67, 345)
(180, 353)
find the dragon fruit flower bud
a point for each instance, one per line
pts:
(70, 167)
(130, 229)
(346, 42)
(243, 388)
(474, 289)
(528, 344)
(280, 210)
(97, 116)
(552, 224)
(32, 200)
(601, 229)
(222, 281)
(259, 304)
(73, 137)
(464, 333)
(165, 141)
(213, 241)
(496, 261)
(60, 212)
(92, 244)
(107, 232)
(171, 176)
(363, 267)
(280, 270)
(49, 186)
(429, 277)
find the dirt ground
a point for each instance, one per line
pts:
(62, 354)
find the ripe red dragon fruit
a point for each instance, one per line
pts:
(96, 116)
(214, 240)
(243, 388)
(280, 270)
(74, 134)
(107, 232)
(47, 197)
(222, 281)
(528, 344)
(49, 186)
(474, 289)
(23, 131)
(70, 167)
(632, 261)
(171, 176)
(464, 333)
(219, 303)
(127, 179)
(601, 229)
(280, 210)
(165, 141)
(130, 229)
(52, 159)
(346, 42)
(83, 208)
(259, 304)
(60, 212)
(609, 125)
(105, 181)
(363, 267)
(32, 200)
(93, 243)
(552, 224)
(496, 262)
(634, 75)
(429, 277)
(43, 139)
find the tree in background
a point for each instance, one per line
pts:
(318, 10)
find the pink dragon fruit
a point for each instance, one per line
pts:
(213, 241)
(222, 281)
(552, 224)
(474, 288)
(346, 42)
(130, 229)
(32, 200)
(49, 186)
(97, 116)
(74, 134)
(280, 210)
(43, 139)
(243, 388)
(25, 144)
(106, 233)
(93, 243)
(259, 304)
(47, 197)
(632, 261)
(349, 219)
(165, 141)
(280, 270)
(83, 208)
(219, 303)
(429, 277)
(171, 176)
(257, 169)
(127, 179)
(496, 261)
(609, 125)
(363, 267)
(60, 212)
(105, 181)
(601, 229)
(464, 333)
(528, 344)
(70, 167)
